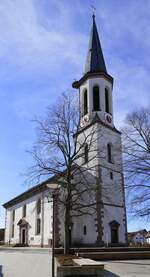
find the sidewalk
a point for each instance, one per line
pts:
(25, 249)
(25, 263)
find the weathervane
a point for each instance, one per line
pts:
(93, 9)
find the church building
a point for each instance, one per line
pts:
(29, 216)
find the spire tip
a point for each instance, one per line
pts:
(93, 11)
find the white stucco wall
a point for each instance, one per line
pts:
(148, 240)
(46, 220)
(110, 214)
(78, 235)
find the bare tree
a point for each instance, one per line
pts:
(137, 161)
(59, 151)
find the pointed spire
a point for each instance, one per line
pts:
(95, 59)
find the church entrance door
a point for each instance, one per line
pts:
(23, 231)
(23, 236)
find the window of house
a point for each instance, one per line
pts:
(38, 226)
(24, 211)
(107, 101)
(109, 153)
(38, 206)
(96, 102)
(86, 153)
(85, 103)
(84, 230)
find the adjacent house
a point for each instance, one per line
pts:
(148, 237)
(138, 237)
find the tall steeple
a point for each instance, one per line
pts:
(95, 59)
(95, 63)
(96, 85)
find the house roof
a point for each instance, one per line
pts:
(132, 234)
(30, 192)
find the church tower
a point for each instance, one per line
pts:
(96, 109)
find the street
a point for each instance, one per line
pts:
(28, 263)
(37, 263)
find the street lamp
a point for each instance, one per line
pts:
(53, 187)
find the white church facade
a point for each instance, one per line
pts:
(29, 216)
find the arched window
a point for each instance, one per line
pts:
(86, 153)
(109, 153)
(96, 102)
(84, 230)
(38, 206)
(107, 110)
(85, 107)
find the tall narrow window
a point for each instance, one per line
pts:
(86, 153)
(13, 215)
(96, 102)
(107, 110)
(38, 226)
(109, 153)
(12, 232)
(13, 223)
(24, 211)
(38, 206)
(84, 230)
(85, 103)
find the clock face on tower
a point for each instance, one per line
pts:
(108, 118)
(84, 121)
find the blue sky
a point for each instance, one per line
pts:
(43, 46)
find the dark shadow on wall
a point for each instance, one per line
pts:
(1, 273)
(107, 273)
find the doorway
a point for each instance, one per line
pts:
(114, 230)
(114, 236)
(24, 236)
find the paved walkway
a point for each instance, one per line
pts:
(37, 263)
(25, 263)
(134, 268)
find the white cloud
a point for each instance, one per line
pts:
(30, 45)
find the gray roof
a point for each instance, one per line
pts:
(95, 59)
(32, 191)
